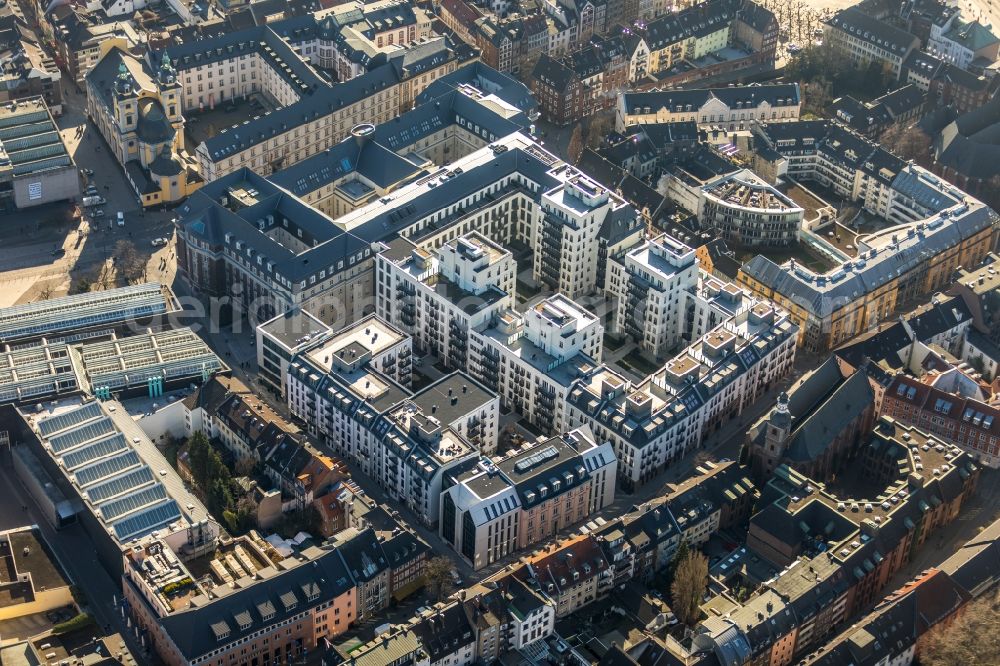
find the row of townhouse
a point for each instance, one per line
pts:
(480, 624)
(667, 51)
(658, 420)
(936, 228)
(970, 422)
(643, 541)
(932, 599)
(512, 615)
(244, 602)
(516, 609)
(226, 411)
(933, 29)
(830, 556)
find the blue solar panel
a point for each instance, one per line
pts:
(106, 468)
(153, 518)
(125, 483)
(133, 502)
(77, 436)
(63, 421)
(99, 449)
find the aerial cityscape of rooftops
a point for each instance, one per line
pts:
(516, 332)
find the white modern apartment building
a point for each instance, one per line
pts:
(572, 239)
(532, 359)
(350, 390)
(370, 341)
(438, 296)
(650, 284)
(503, 505)
(664, 299)
(658, 420)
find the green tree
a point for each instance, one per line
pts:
(219, 497)
(688, 586)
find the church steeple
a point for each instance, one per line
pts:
(123, 82)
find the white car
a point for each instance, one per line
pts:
(159, 242)
(121, 219)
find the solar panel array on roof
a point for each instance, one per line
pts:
(133, 502)
(120, 485)
(112, 476)
(77, 436)
(150, 520)
(102, 448)
(53, 424)
(106, 468)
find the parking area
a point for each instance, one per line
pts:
(48, 250)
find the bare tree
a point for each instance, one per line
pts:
(130, 263)
(437, 576)
(600, 125)
(690, 580)
(244, 466)
(575, 146)
(908, 143)
(818, 96)
(105, 276)
(45, 291)
(971, 639)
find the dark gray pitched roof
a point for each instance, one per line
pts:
(869, 29)
(363, 555)
(781, 94)
(197, 631)
(813, 434)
